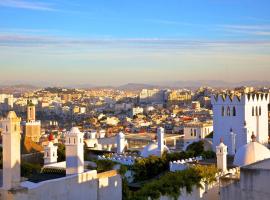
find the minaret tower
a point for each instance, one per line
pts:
(160, 138)
(31, 111)
(221, 152)
(74, 152)
(50, 152)
(11, 151)
(120, 142)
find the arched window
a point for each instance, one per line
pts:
(260, 110)
(257, 111)
(191, 132)
(234, 111)
(228, 111)
(195, 132)
(6, 128)
(252, 111)
(69, 140)
(222, 111)
(74, 140)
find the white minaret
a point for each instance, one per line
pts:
(160, 138)
(221, 152)
(233, 144)
(74, 151)
(120, 142)
(50, 154)
(11, 151)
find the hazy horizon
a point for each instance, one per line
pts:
(118, 42)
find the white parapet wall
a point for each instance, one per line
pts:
(84, 186)
(180, 165)
(122, 159)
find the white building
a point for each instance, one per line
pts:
(197, 130)
(137, 110)
(155, 148)
(221, 152)
(243, 115)
(50, 153)
(152, 96)
(74, 151)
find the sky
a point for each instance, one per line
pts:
(101, 42)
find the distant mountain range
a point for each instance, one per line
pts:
(139, 86)
(194, 84)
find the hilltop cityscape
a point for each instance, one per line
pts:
(118, 142)
(134, 100)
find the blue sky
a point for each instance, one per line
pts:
(114, 42)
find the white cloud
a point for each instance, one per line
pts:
(26, 5)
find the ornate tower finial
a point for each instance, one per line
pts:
(221, 140)
(253, 138)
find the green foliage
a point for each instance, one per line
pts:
(171, 183)
(208, 154)
(29, 169)
(104, 165)
(196, 147)
(147, 168)
(123, 169)
(210, 135)
(61, 153)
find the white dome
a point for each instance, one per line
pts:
(74, 131)
(250, 153)
(152, 149)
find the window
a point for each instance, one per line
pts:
(191, 132)
(69, 140)
(260, 111)
(257, 111)
(15, 128)
(195, 132)
(234, 111)
(74, 141)
(222, 111)
(6, 128)
(252, 111)
(228, 111)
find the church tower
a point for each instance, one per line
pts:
(160, 138)
(74, 151)
(11, 151)
(50, 152)
(120, 142)
(221, 152)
